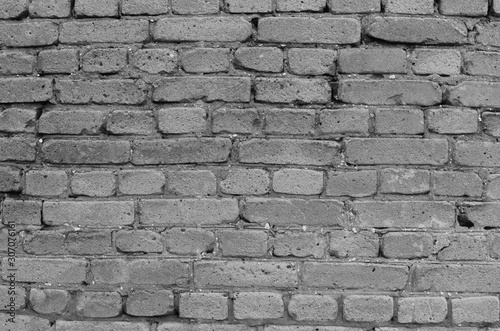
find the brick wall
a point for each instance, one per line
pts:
(250, 165)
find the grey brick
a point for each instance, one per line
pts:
(86, 151)
(155, 61)
(372, 60)
(122, 91)
(206, 60)
(311, 61)
(28, 34)
(437, 61)
(104, 31)
(344, 121)
(25, 89)
(75, 122)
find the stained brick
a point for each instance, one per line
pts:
(98, 304)
(10, 179)
(491, 123)
(18, 120)
(48, 301)
(482, 214)
(78, 121)
(13, 8)
(405, 181)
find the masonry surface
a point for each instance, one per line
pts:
(250, 165)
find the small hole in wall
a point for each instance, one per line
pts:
(464, 221)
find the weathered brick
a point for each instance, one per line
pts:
(405, 181)
(189, 211)
(422, 7)
(187, 88)
(258, 305)
(169, 326)
(482, 63)
(104, 31)
(191, 182)
(298, 181)
(10, 179)
(104, 60)
(17, 149)
(194, 7)
(242, 6)
(368, 308)
(88, 213)
(93, 183)
(89, 242)
(482, 214)
(404, 214)
(58, 61)
(155, 61)
(457, 184)
(96, 8)
(487, 33)
(355, 184)
(182, 120)
(78, 121)
(50, 8)
(308, 307)
(28, 34)
(44, 243)
(86, 151)
(343, 121)
(240, 121)
(213, 306)
(293, 211)
(186, 241)
(137, 122)
(142, 182)
(474, 94)
(150, 303)
(298, 5)
(422, 310)
(355, 276)
(494, 246)
(389, 92)
(463, 7)
(24, 212)
(24, 323)
(49, 301)
(311, 61)
(416, 30)
(221, 28)
(16, 63)
(399, 121)
(286, 90)
(491, 123)
(245, 181)
(245, 274)
(18, 120)
(302, 244)
(475, 310)
(344, 243)
(138, 241)
(98, 304)
(372, 60)
(13, 9)
(122, 91)
(477, 153)
(47, 270)
(353, 6)
(462, 247)
(407, 245)
(243, 243)
(101, 326)
(309, 30)
(269, 59)
(139, 7)
(19, 297)
(437, 61)
(206, 60)
(46, 182)
(25, 89)
(289, 121)
(309, 328)
(493, 186)
(289, 151)
(453, 120)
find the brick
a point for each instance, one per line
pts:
(13, 9)
(453, 120)
(493, 186)
(213, 306)
(88, 213)
(74, 122)
(475, 310)
(209, 88)
(50, 8)
(407, 245)
(242, 121)
(96, 8)
(49, 301)
(245, 181)
(142, 182)
(457, 184)
(368, 308)
(405, 181)
(354, 276)
(399, 121)
(372, 60)
(24, 323)
(101, 326)
(437, 61)
(10, 179)
(122, 91)
(354, 184)
(343, 121)
(289, 121)
(182, 150)
(308, 307)
(206, 60)
(169, 326)
(477, 153)
(457, 278)
(93, 183)
(194, 7)
(245, 274)
(308, 30)
(241, 6)
(44, 243)
(16, 63)
(465, 247)
(474, 94)
(89, 242)
(422, 7)
(298, 181)
(369, 151)
(313, 212)
(488, 34)
(104, 31)
(18, 120)
(258, 305)
(186, 241)
(353, 6)
(86, 151)
(268, 59)
(308, 328)
(47, 270)
(464, 7)
(494, 246)
(416, 30)
(422, 310)
(150, 303)
(495, 7)
(303, 244)
(189, 211)
(482, 214)
(46, 182)
(24, 212)
(19, 297)
(130, 241)
(104, 60)
(403, 214)
(28, 34)
(243, 243)
(98, 304)
(25, 89)
(297, 5)
(155, 61)
(222, 28)
(389, 92)
(136, 122)
(17, 149)
(182, 120)
(311, 61)
(346, 244)
(191, 182)
(289, 151)
(491, 123)
(482, 63)
(58, 61)
(139, 7)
